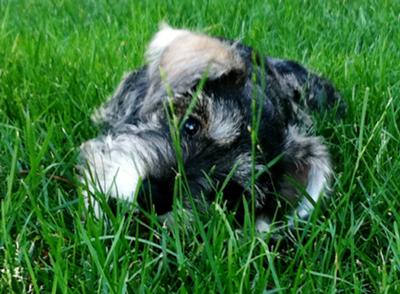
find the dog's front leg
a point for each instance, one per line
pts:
(113, 166)
(307, 172)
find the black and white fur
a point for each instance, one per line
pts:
(136, 144)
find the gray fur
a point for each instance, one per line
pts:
(136, 144)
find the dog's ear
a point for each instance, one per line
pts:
(123, 106)
(179, 59)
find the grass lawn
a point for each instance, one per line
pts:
(60, 59)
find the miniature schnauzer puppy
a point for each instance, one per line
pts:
(215, 88)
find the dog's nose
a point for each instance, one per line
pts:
(155, 194)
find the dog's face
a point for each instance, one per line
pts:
(207, 133)
(202, 107)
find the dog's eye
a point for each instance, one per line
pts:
(191, 126)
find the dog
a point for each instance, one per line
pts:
(233, 113)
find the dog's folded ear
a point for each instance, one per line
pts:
(179, 59)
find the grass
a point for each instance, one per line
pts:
(60, 59)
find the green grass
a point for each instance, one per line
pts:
(60, 59)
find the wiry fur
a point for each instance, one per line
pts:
(137, 144)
